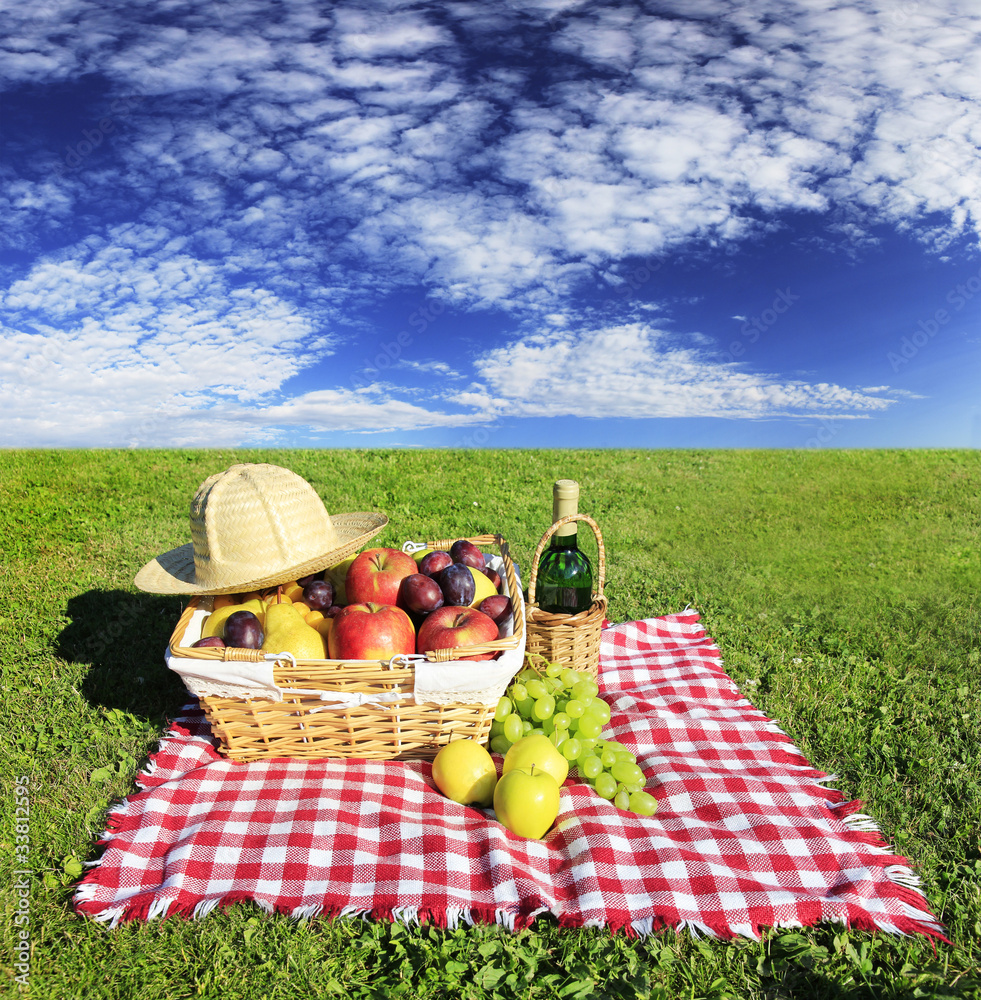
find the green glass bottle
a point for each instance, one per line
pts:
(564, 585)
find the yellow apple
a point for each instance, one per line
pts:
(482, 587)
(539, 751)
(527, 802)
(465, 772)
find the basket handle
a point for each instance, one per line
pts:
(568, 519)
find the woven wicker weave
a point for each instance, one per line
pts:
(301, 725)
(571, 639)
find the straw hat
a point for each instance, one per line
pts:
(255, 526)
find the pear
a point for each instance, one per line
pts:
(287, 632)
(215, 622)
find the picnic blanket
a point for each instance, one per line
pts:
(747, 834)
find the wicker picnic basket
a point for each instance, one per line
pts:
(571, 639)
(389, 725)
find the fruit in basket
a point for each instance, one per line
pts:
(243, 629)
(432, 563)
(371, 631)
(537, 751)
(215, 641)
(214, 624)
(337, 575)
(419, 594)
(458, 584)
(465, 772)
(466, 552)
(498, 607)
(451, 627)
(482, 587)
(375, 575)
(318, 594)
(287, 632)
(293, 590)
(319, 621)
(527, 802)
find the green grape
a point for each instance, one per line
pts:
(503, 709)
(557, 737)
(625, 755)
(529, 674)
(535, 732)
(571, 748)
(536, 689)
(544, 707)
(605, 785)
(553, 684)
(589, 743)
(554, 670)
(609, 758)
(589, 766)
(586, 687)
(561, 720)
(626, 772)
(518, 692)
(631, 787)
(496, 729)
(600, 710)
(589, 727)
(622, 800)
(575, 708)
(643, 803)
(619, 748)
(514, 728)
(523, 707)
(570, 677)
(500, 744)
(528, 726)
(548, 726)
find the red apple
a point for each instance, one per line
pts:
(451, 627)
(370, 632)
(375, 575)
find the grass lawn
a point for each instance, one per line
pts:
(842, 588)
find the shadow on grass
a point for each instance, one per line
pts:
(123, 637)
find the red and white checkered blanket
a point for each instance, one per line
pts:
(746, 836)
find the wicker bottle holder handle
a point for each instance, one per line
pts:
(570, 639)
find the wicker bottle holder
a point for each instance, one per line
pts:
(570, 639)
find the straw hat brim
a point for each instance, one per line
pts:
(173, 572)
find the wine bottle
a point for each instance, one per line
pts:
(564, 584)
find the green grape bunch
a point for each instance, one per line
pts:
(564, 705)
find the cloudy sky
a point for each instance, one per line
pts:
(490, 223)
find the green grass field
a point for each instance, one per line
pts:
(842, 588)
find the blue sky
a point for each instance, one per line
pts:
(706, 223)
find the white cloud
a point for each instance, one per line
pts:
(634, 371)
